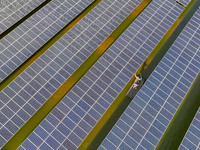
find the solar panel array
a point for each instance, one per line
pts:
(74, 117)
(24, 96)
(32, 34)
(184, 2)
(191, 141)
(148, 115)
(146, 118)
(14, 10)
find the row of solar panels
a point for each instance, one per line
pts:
(25, 95)
(192, 137)
(184, 2)
(31, 35)
(79, 111)
(148, 115)
(14, 10)
(84, 105)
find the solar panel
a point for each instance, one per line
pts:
(184, 2)
(146, 118)
(24, 96)
(191, 140)
(14, 10)
(32, 34)
(74, 117)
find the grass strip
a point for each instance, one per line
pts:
(182, 119)
(23, 19)
(110, 117)
(44, 48)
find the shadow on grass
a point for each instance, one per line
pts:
(109, 124)
(182, 119)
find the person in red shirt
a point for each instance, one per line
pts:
(135, 85)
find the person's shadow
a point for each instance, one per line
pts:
(133, 91)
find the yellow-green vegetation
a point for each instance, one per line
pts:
(182, 119)
(23, 19)
(44, 48)
(107, 121)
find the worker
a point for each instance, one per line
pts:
(137, 78)
(135, 85)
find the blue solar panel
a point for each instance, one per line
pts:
(32, 34)
(191, 140)
(146, 118)
(79, 111)
(39, 81)
(14, 10)
(184, 2)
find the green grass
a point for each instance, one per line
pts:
(182, 119)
